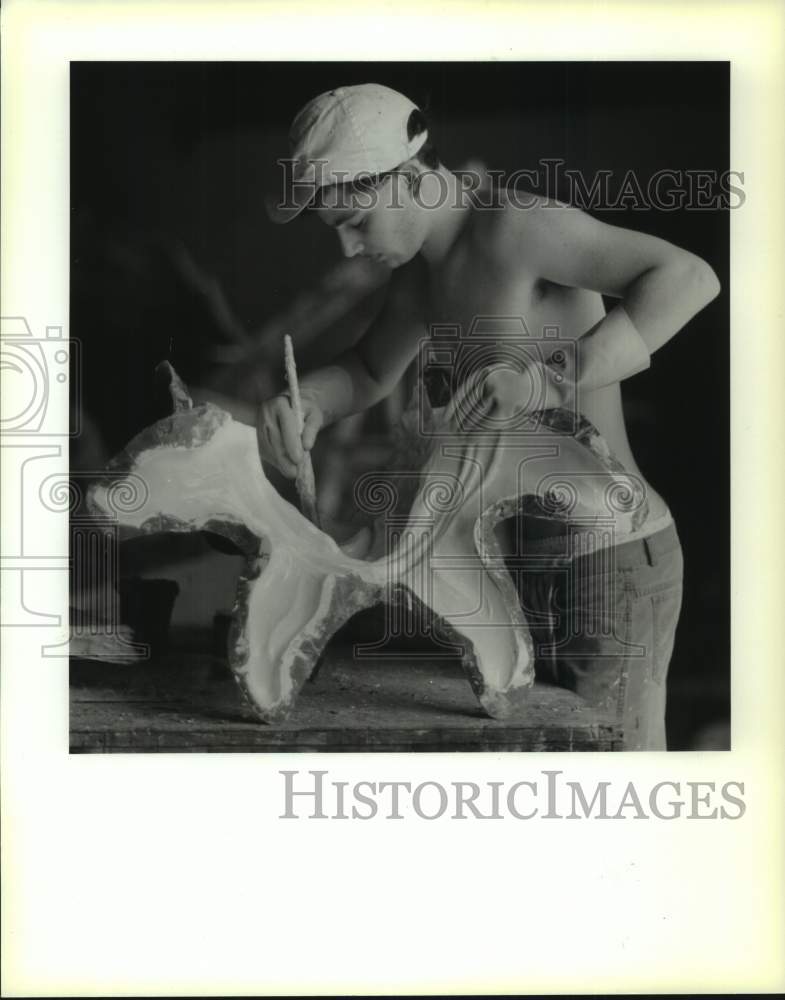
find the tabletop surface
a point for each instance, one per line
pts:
(187, 701)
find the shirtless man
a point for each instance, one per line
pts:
(551, 264)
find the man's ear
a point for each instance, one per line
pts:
(412, 177)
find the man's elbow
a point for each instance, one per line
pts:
(702, 279)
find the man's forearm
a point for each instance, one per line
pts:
(656, 306)
(342, 388)
(610, 352)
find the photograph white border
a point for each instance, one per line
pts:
(173, 874)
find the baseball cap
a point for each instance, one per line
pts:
(341, 135)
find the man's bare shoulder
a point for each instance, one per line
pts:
(511, 232)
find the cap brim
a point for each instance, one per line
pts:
(279, 211)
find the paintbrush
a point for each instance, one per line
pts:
(304, 480)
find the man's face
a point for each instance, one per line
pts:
(382, 223)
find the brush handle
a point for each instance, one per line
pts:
(304, 480)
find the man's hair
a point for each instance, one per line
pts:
(426, 156)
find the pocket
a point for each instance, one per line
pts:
(666, 574)
(595, 597)
(593, 615)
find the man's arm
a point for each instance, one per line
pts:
(367, 372)
(661, 286)
(355, 381)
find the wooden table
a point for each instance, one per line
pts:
(187, 702)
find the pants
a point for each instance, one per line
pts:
(603, 623)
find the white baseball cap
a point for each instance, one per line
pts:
(341, 135)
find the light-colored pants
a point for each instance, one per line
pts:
(603, 624)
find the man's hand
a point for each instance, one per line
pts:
(500, 392)
(505, 392)
(277, 432)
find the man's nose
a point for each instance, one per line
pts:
(351, 244)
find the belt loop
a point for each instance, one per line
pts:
(651, 554)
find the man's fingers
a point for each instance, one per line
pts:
(293, 446)
(464, 407)
(313, 424)
(475, 406)
(272, 449)
(289, 469)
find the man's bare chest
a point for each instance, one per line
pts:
(470, 295)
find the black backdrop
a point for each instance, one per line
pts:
(184, 152)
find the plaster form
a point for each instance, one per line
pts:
(431, 544)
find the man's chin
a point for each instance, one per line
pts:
(399, 259)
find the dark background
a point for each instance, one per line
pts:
(173, 256)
